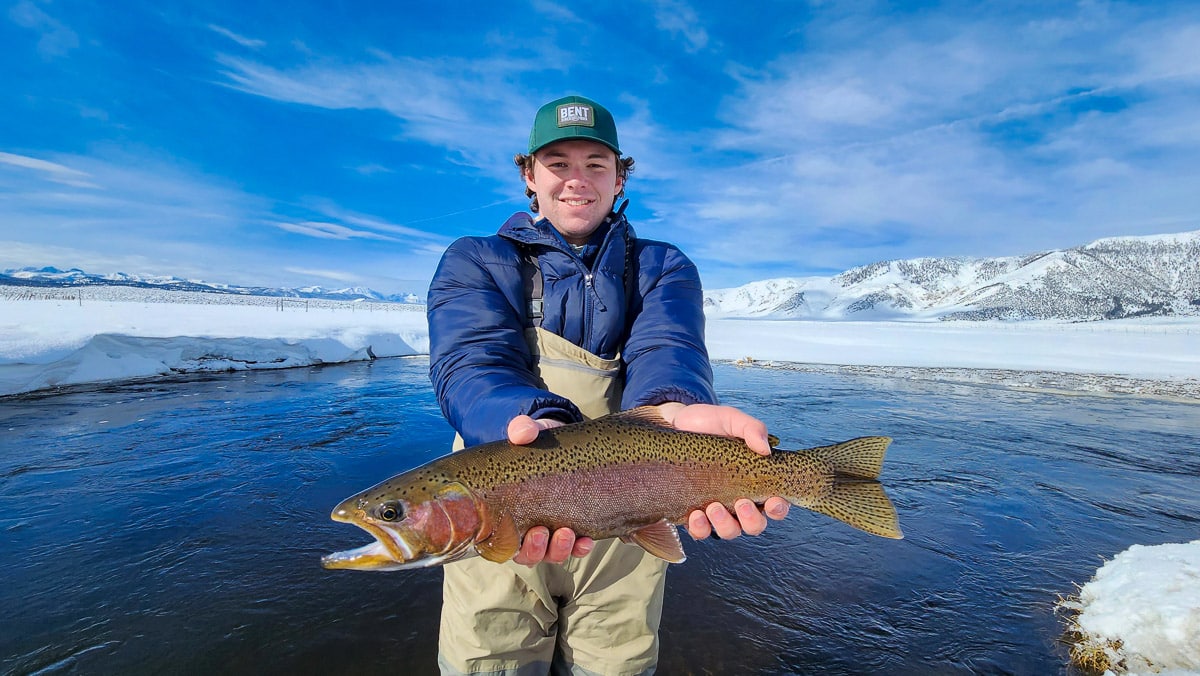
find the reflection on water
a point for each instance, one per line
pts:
(177, 526)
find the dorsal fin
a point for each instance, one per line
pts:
(642, 415)
(503, 543)
(661, 539)
(861, 458)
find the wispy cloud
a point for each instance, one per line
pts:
(56, 38)
(679, 19)
(340, 276)
(50, 170)
(555, 11)
(330, 231)
(242, 40)
(373, 169)
(468, 106)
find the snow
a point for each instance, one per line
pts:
(58, 341)
(1142, 609)
(55, 342)
(1148, 598)
(1144, 348)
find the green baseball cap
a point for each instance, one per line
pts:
(573, 117)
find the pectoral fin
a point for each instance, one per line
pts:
(503, 543)
(661, 539)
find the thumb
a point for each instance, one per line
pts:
(523, 429)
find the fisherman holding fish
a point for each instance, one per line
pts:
(569, 355)
(558, 318)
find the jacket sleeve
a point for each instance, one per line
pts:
(665, 356)
(480, 365)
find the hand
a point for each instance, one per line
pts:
(749, 519)
(729, 422)
(725, 421)
(538, 545)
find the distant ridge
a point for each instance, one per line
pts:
(1111, 278)
(53, 277)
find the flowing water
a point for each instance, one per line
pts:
(176, 527)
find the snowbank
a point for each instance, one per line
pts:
(51, 343)
(1140, 614)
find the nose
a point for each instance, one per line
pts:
(576, 176)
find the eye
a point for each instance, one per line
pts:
(390, 511)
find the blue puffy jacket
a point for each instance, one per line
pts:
(480, 364)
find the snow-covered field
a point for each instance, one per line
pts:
(50, 338)
(1149, 357)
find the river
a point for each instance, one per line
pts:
(175, 526)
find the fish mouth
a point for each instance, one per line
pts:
(389, 551)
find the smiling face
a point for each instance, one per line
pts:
(576, 183)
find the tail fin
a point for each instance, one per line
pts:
(857, 498)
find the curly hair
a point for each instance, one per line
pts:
(525, 164)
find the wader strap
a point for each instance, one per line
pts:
(531, 273)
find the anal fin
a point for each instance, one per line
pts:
(661, 539)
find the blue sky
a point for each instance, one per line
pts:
(345, 143)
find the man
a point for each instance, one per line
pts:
(546, 323)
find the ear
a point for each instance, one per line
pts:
(528, 174)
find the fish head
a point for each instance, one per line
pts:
(416, 523)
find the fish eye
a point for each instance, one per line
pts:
(390, 511)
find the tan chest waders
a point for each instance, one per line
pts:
(594, 615)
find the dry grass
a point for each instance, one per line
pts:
(1091, 654)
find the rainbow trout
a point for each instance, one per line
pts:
(628, 475)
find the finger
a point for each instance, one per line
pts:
(522, 430)
(756, 438)
(583, 547)
(722, 521)
(533, 546)
(776, 508)
(698, 526)
(669, 410)
(723, 420)
(753, 430)
(752, 521)
(561, 544)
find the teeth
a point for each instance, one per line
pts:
(577, 203)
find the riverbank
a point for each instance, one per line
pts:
(1186, 390)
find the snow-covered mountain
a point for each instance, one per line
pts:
(75, 277)
(1112, 278)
